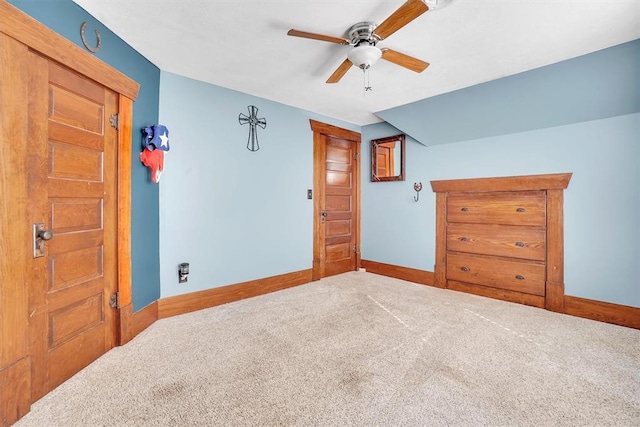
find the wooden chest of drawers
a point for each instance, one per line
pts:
(502, 238)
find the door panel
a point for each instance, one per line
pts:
(69, 161)
(72, 189)
(75, 267)
(338, 252)
(340, 194)
(75, 110)
(69, 321)
(80, 214)
(338, 228)
(339, 203)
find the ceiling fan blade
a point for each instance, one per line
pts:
(341, 71)
(406, 61)
(321, 37)
(401, 17)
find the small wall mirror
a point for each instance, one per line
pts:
(387, 159)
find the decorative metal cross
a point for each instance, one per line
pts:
(253, 121)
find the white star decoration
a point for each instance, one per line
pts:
(164, 139)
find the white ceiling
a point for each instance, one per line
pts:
(242, 44)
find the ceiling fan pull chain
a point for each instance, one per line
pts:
(367, 84)
(364, 82)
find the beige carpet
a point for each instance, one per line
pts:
(359, 349)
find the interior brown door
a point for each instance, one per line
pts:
(340, 246)
(385, 157)
(336, 182)
(72, 189)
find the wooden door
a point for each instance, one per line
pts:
(340, 248)
(72, 189)
(386, 161)
(337, 216)
(37, 327)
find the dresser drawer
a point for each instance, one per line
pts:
(500, 240)
(505, 207)
(520, 276)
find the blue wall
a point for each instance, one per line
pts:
(602, 202)
(65, 18)
(233, 214)
(590, 87)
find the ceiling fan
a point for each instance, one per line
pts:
(364, 36)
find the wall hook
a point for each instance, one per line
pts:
(418, 187)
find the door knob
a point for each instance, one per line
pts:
(45, 234)
(40, 235)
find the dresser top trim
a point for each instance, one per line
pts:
(558, 181)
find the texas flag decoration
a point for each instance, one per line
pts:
(154, 160)
(156, 143)
(156, 136)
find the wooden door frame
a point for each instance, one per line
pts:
(19, 33)
(320, 132)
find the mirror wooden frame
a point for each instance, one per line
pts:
(388, 144)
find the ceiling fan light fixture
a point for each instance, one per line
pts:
(364, 56)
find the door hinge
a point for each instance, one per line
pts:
(356, 155)
(114, 300)
(114, 120)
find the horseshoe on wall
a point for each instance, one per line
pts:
(83, 28)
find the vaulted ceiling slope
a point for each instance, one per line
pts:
(243, 45)
(595, 86)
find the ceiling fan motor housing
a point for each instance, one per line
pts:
(363, 33)
(364, 53)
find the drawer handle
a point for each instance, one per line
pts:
(521, 244)
(464, 268)
(464, 239)
(464, 209)
(520, 210)
(520, 277)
